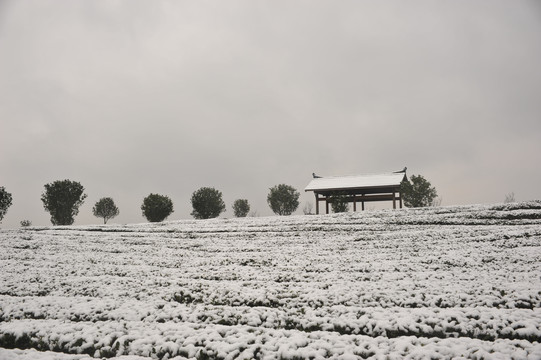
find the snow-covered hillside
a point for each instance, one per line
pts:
(451, 282)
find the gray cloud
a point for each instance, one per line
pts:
(137, 97)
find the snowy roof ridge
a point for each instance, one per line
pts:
(354, 175)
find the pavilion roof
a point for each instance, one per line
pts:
(335, 183)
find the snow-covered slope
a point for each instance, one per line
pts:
(445, 282)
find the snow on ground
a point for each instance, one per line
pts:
(451, 282)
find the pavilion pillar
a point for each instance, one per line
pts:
(394, 200)
(362, 202)
(317, 203)
(354, 203)
(326, 204)
(400, 195)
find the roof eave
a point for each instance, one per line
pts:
(355, 188)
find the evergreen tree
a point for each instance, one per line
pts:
(418, 192)
(241, 208)
(156, 207)
(5, 202)
(339, 202)
(207, 203)
(62, 200)
(283, 199)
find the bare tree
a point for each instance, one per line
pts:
(437, 201)
(308, 207)
(510, 198)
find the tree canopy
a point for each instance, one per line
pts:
(241, 208)
(339, 202)
(418, 192)
(207, 203)
(62, 200)
(157, 207)
(283, 199)
(105, 208)
(5, 202)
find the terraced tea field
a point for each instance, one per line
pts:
(440, 283)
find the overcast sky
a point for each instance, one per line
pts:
(137, 97)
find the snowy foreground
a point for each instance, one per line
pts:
(440, 283)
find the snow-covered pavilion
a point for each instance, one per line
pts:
(358, 188)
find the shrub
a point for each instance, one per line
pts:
(62, 200)
(339, 202)
(418, 192)
(105, 208)
(26, 223)
(241, 208)
(5, 202)
(283, 199)
(156, 207)
(207, 203)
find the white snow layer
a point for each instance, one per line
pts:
(452, 282)
(355, 181)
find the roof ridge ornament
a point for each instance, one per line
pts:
(315, 176)
(401, 171)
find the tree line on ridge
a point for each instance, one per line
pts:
(62, 199)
